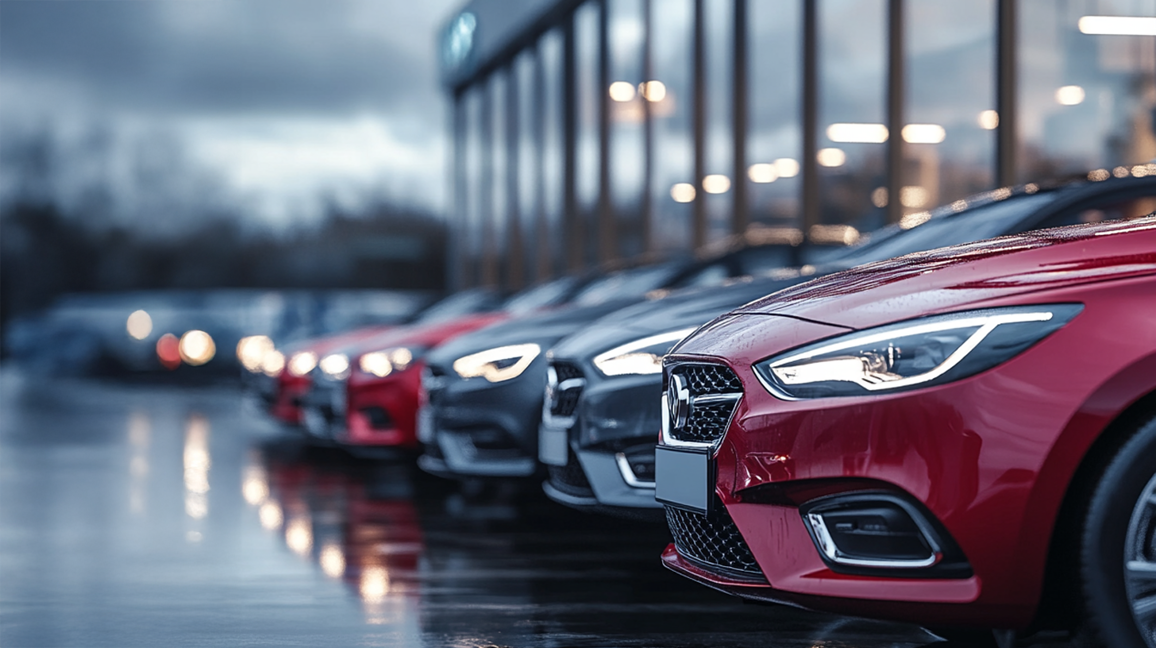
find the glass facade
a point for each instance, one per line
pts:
(615, 130)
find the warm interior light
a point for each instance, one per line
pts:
(374, 584)
(197, 347)
(989, 120)
(857, 133)
(879, 197)
(652, 91)
(621, 91)
(716, 184)
(833, 234)
(1070, 95)
(682, 192)
(1118, 25)
(787, 167)
(831, 157)
(924, 134)
(139, 325)
(762, 173)
(914, 197)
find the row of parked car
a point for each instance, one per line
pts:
(952, 423)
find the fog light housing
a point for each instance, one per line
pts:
(873, 532)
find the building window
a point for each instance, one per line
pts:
(949, 140)
(852, 109)
(672, 175)
(1087, 101)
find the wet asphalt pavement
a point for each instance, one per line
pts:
(135, 515)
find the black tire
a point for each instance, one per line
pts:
(1108, 524)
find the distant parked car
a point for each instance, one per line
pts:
(485, 389)
(960, 437)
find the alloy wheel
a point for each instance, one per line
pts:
(1140, 563)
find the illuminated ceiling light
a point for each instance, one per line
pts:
(197, 348)
(959, 205)
(759, 234)
(988, 120)
(762, 173)
(1118, 25)
(139, 325)
(622, 91)
(1070, 95)
(787, 167)
(879, 197)
(857, 133)
(914, 197)
(1003, 193)
(716, 184)
(1120, 172)
(831, 157)
(1141, 171)
(1031, 188)
(914, 220)
(924, 134)
(652, 91)
(837, 234)
(682, 192)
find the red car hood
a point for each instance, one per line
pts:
(953, 278)
(429, 335)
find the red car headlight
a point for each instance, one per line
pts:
(913, 354)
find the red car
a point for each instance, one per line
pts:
(962, 438)
(365, 394)
(292, 380)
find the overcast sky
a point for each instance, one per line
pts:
(269, 106)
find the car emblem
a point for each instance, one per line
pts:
(678, 401)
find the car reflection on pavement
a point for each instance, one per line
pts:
(151, 516)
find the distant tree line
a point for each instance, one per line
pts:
(45, 253)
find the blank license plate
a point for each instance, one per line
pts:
(684, 478)
(553, 446)
(425, 425)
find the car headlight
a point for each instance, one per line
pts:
(496, 365)
(335, 366)
(641, 356)
(384, 362)
(302, 362)
(913, 354)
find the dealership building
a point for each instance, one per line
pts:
(588, 133)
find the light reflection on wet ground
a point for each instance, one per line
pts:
(148, 516)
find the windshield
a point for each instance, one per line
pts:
(457, 305)
(970, 225)
(627, 283)
(547, 294)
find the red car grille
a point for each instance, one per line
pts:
(713, 541)
(708, 418)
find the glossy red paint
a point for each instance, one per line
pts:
(398, 392)
(991, 457)
(286, 405)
